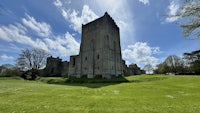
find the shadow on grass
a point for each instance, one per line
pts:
(96, 83)
(90, 83)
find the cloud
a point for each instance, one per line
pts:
(17, 33)
(6, 57)
(145, 2)
(86, 16)
(141, 53)
(41, 28)
(57, 3)
(64, 45)
(172, 11)
(75, 18)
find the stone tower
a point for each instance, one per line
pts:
(100, 51)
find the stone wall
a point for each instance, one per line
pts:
(133, 69)
(55, 67)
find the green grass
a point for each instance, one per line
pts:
(141, 94)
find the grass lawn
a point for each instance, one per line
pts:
(142, 94)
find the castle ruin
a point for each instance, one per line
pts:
(99, 55)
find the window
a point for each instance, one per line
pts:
(86, 58)
(73, 63)
(98, 56)
(52, 70)
(98, 76)
(84, 76)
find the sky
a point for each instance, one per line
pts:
(147, 34)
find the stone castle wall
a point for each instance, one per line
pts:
(55, 67)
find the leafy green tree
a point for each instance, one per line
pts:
(162, 68)
(195, 67)
(172, 64)
(193, 60)
(8, 70)
(175, 63)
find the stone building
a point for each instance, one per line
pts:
(133, 69)
(55, 67)
(100, 51)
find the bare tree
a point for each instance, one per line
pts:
(32, 59)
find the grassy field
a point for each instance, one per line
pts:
(141, 94)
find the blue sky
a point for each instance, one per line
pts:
(147, 34)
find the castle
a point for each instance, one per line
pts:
(99, 56)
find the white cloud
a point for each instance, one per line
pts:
(145, 2)
(58, 3)
(16, 33)
(41, 28)
(6, 57)
(64, 45)
(141, 53)
(172, 11)
(10, 47)
(65, 13)
(75, 18)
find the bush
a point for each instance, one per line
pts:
(11, 73)
(30, 74)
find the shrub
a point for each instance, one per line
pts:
(11, 73)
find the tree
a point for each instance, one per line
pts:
(175, 63)
(195, 67)
(189, 13)
(31, 60)
(8, 70)
(162, 68)
(148, 68)
(193, 61)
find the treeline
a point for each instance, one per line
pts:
(8, 70)
(188, 65)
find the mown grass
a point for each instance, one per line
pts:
(141, 94)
